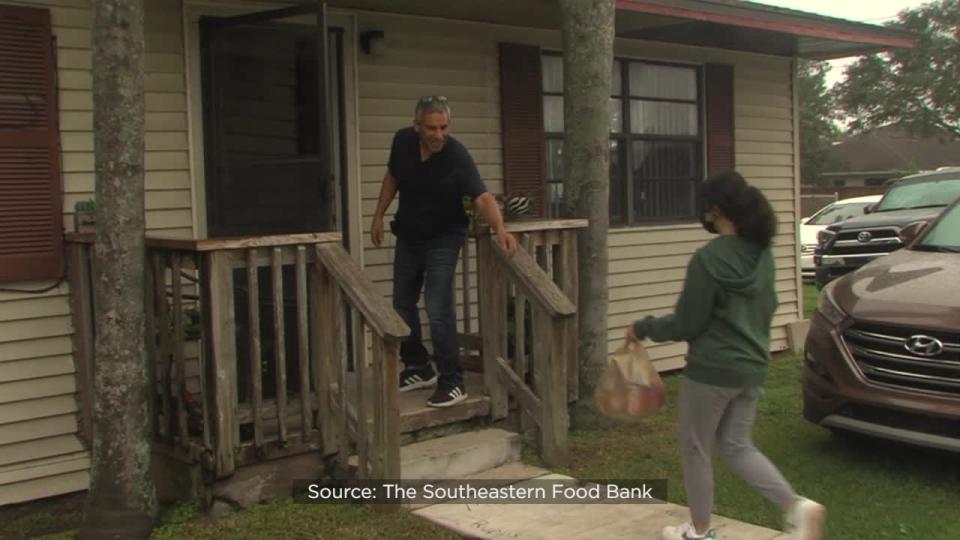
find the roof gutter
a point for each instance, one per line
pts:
(769, 19)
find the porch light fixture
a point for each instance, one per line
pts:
(372, 42)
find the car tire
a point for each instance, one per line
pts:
(821, 278)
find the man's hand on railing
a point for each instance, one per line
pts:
(507, 241)
(486, 206)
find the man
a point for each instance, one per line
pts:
(433, 173)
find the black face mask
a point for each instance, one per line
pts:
(708, 225)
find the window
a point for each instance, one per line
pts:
(925, 194)
(656, 139)
(835, 213)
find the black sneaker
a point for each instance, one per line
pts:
(447, 395)
(413, 379)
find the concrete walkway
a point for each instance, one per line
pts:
(551, 521)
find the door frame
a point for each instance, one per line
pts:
(349, 146)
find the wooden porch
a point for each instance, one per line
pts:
(269, 347)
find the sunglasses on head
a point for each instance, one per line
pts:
(431, 99)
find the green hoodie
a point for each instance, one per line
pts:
(724, 312)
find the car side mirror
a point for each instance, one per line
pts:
(870, 208)
(912, 231)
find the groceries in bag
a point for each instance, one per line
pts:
(630, 388)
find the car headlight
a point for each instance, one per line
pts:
(828, 307)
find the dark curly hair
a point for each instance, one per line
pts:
(742, 204)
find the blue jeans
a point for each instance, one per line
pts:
(429, 265)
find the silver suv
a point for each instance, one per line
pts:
(846, 246)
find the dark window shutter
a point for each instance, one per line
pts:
(521, 106)
(720, 118)
(31, 229)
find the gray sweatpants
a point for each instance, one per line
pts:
(723, 416)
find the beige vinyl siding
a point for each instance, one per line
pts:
(647, 264)
(40, 453)
(37, 404)
(38, 419)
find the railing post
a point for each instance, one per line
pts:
(150, 337)
(303, 346)
(326, 358)
(569, 283)
(493, 315)
(465, 286)
(551, 374)
(361, 393)
(81, 307)
(220, 321)
(164, 347)
(390, 361)
(377, 449)
(522, 364)
(253, 329)
(183, 434)
(279, 343)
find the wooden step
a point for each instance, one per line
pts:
(415, 415)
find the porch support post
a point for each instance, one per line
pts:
(323, 109)
(221, 327)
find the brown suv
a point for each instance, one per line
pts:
(883, 352)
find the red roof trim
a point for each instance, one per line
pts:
(786, 27)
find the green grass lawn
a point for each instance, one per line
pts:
(280, 519)
(872, 489)
(810, 297)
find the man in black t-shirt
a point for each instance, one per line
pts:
(433, 173)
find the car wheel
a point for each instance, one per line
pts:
(821, 278)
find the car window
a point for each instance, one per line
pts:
(946, 232)
(936, 193)
(836, 213)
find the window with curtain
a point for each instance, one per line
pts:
(656, 139)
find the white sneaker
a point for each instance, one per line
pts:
(686, 532)
(805, 520)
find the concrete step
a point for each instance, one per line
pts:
(577, 521)
(460, 455)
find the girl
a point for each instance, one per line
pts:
(724, 313)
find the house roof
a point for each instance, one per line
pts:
(725, 24)
(891, 148)
(742, 25)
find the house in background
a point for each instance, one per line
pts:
(873, 158)
(260, 121)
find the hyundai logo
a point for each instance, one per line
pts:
(922, 345)
(864, 237)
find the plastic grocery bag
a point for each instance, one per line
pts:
(630, 388)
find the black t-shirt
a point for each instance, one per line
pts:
(431, 191)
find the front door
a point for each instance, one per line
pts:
(270, 119)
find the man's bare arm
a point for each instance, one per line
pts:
(486, 206)
(388, 190)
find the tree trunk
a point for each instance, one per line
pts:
(587, 30)
(122, 499)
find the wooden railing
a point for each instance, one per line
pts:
(541, 277)
(224, 314)
(553, 244)
(272, 346)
